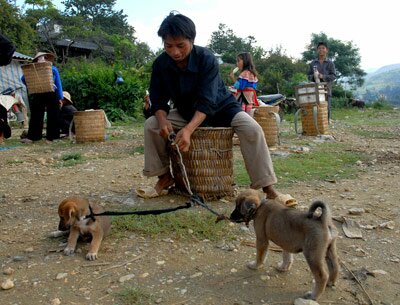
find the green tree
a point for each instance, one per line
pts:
(345, 55)
(16, 28)
(42, 16)
(101, 14)
(225, 42)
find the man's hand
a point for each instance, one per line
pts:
(182, 139)
(165, 125)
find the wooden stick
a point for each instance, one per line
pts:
(123, 264)
(358, 282)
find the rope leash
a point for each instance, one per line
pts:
(194, 198)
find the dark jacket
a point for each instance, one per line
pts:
(198, 88)
(7, 50)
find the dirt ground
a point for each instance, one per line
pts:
(33, 182)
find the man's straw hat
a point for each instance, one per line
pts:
(48, 56)
(67, 97)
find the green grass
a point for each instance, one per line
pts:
(327, 161)
(134, 296)
(138, 150)
(189, 224)
(71, 159)
(369, 117)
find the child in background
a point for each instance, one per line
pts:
(246, 83)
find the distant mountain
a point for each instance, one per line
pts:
(386, 69)
(383, 83)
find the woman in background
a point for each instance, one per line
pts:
(246, 83)
(41, 102)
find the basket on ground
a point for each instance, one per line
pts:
(38, 77)
(268, 118)
(312, 100)
(208, 163)
(314, 119)
(89, 126)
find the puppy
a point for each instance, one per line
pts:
(76, 215)
(294, 231)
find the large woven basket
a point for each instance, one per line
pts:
(208, 163)
(89, 126)
(38, 77)
(314, 119)
(267, 118)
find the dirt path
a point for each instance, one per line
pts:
(34, 180)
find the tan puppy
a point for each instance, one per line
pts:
(294, 231)
(75, 216)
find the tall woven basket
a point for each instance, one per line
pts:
(89, 126)
(268, 118)
(314, 118)
(38, 77)
(208, 163)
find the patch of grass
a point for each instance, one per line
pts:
(134, 295)
(138, 150)
(375, 134)
(15, 161)
(328, 161)
(71, 159)
(187, 224)
(369, 117)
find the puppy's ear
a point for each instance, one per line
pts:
(248, 208)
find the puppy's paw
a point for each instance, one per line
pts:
(69, 251)
(91, 256)
(309, 296)
(283, 267)
(253, 265)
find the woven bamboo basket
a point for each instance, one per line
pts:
(267, 119)
(208, 163)
(89, 126)
(38, 77)
(310, 126)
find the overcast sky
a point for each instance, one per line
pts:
(372, 26)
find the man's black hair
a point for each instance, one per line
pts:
(177, 25)
(321, 43)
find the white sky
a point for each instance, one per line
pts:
(371, 25)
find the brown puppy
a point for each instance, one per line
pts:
(294, 231)
(76, 216)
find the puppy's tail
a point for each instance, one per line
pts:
(325, 212)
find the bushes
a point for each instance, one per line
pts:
(92, 86)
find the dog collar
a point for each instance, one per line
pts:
(91, 215)
(252, 215)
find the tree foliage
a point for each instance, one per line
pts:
(16, 28)
(345, 55)
(93, 85)
(225, 42)
(101, 14)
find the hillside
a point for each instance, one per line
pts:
(383, 82)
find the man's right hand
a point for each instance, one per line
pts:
(165, 125)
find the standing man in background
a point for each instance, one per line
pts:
(324, 71)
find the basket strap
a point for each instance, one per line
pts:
(70, 130)
(296, 118)
(37, 75)
(278, 122)
(315, 118)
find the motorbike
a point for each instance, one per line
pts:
(286, 104)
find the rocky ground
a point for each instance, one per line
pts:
(34, 179)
